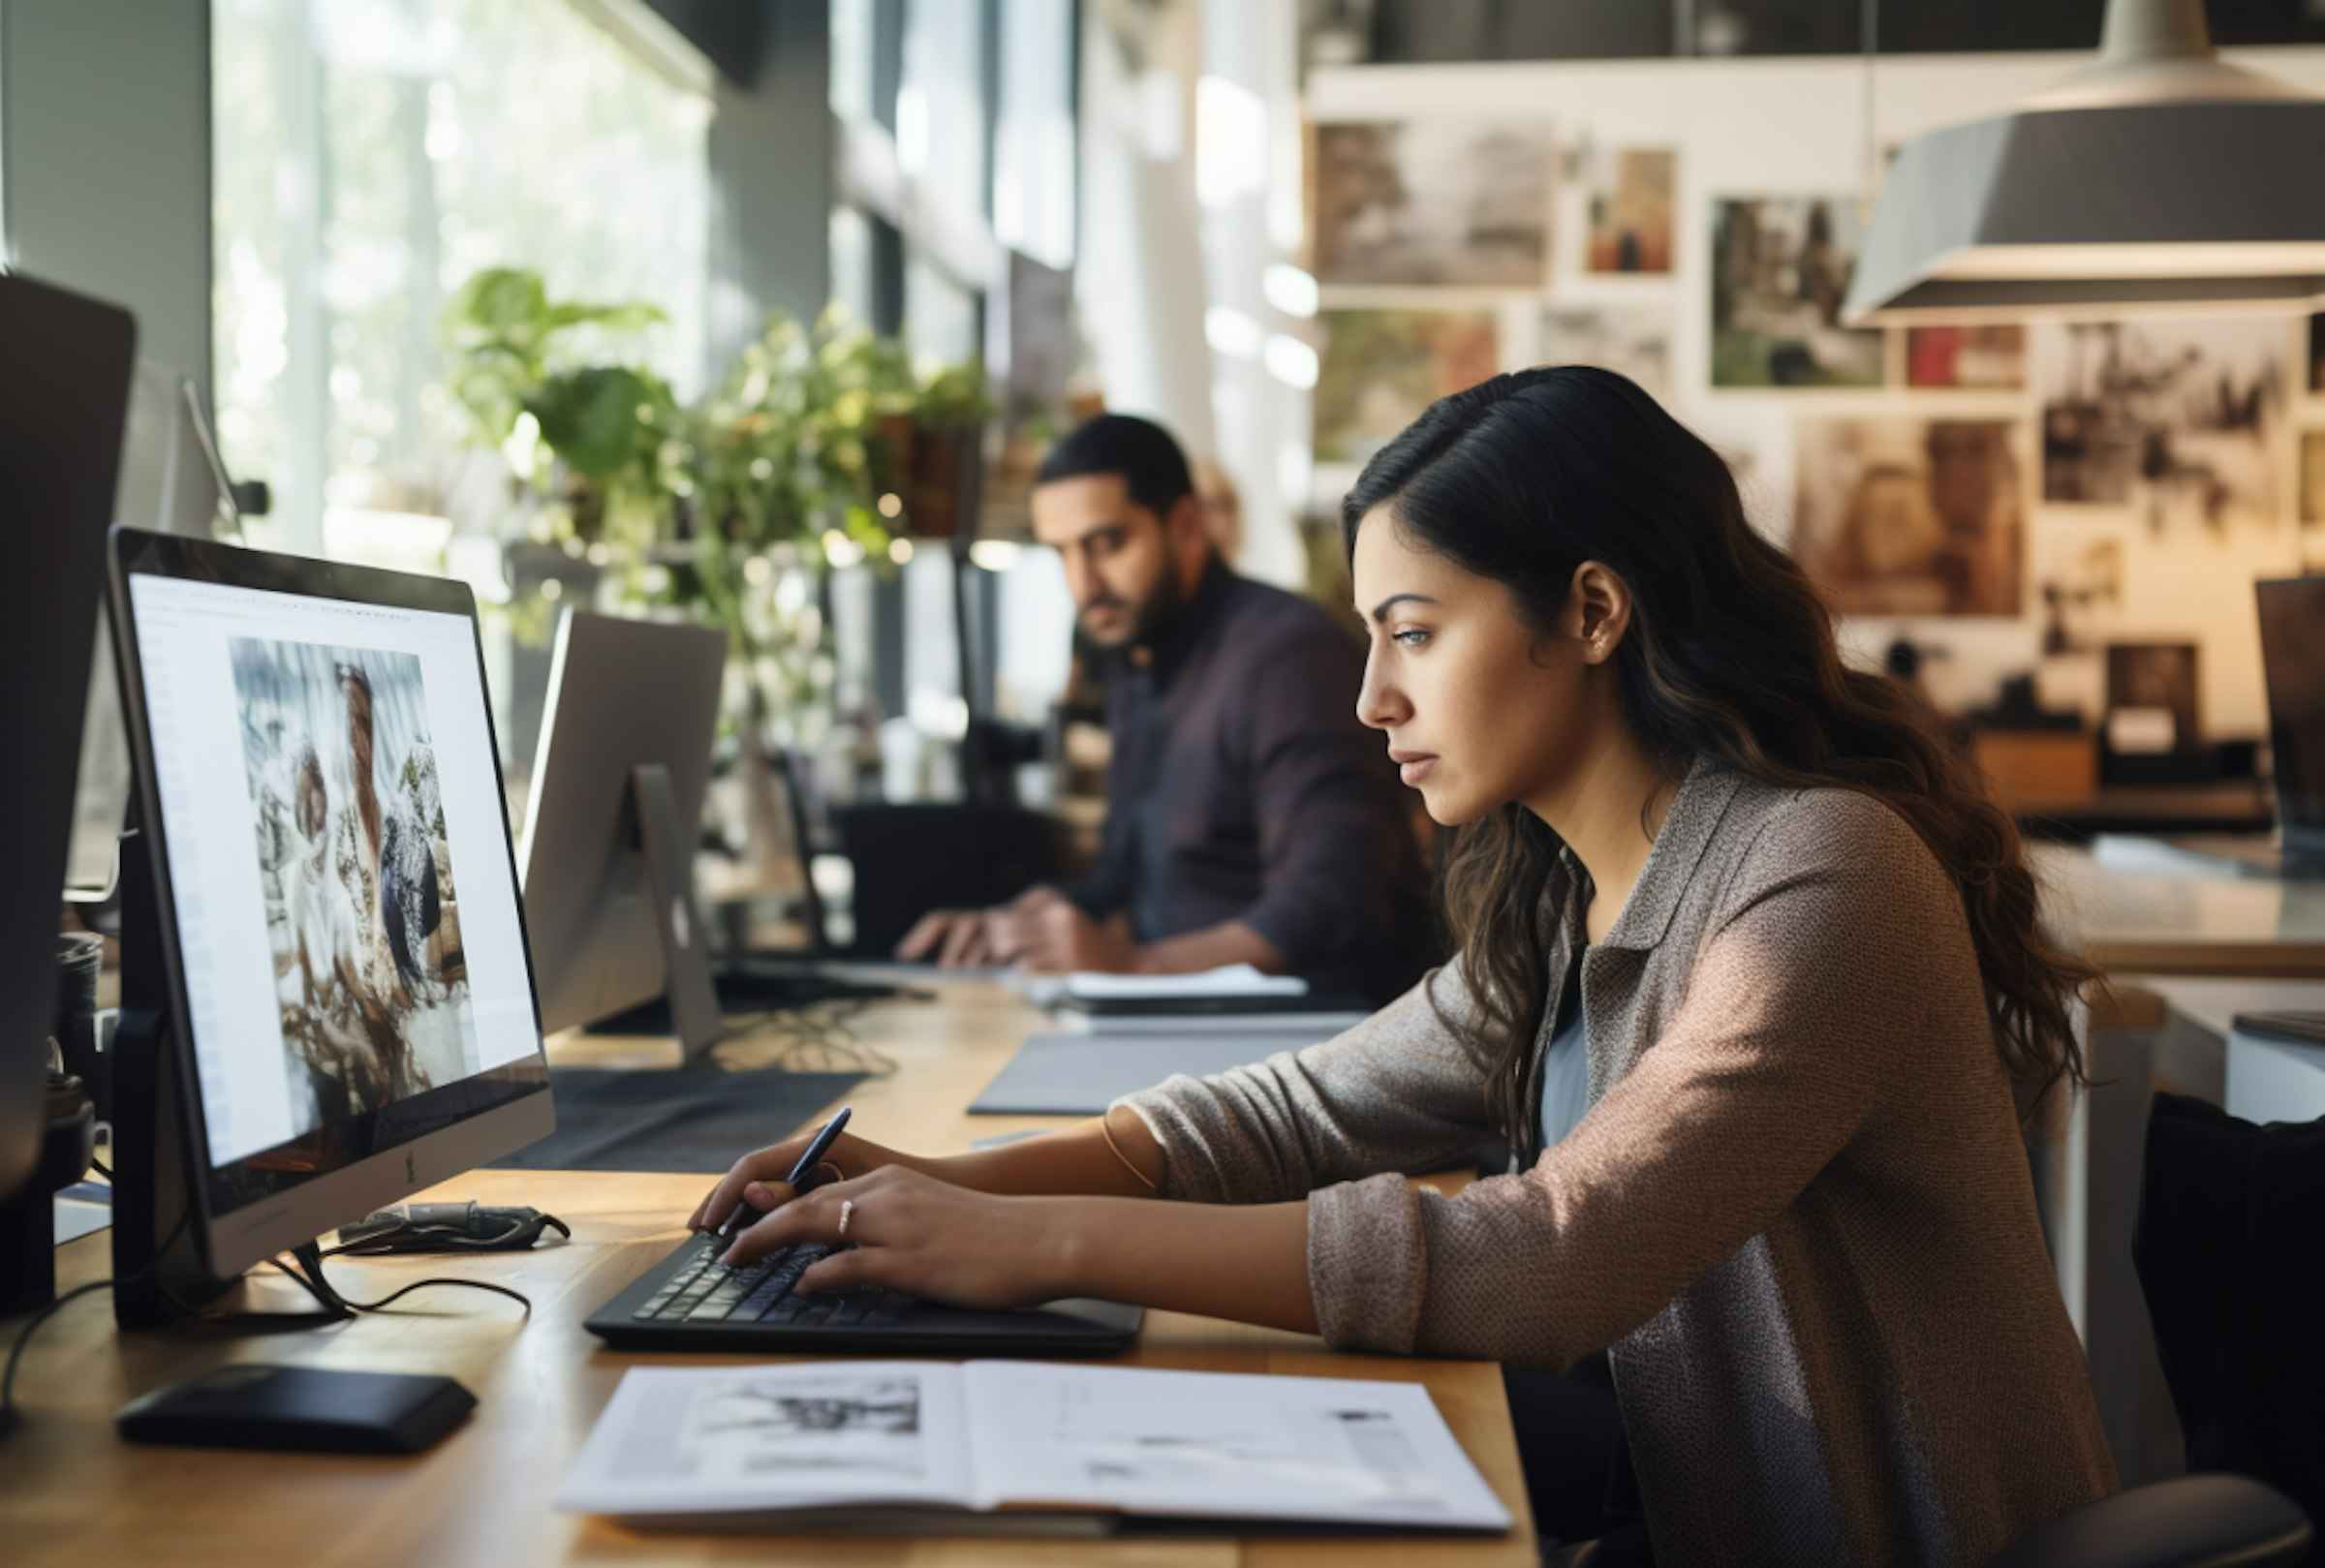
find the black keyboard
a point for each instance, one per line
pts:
(704, 1290)
(690, 1301)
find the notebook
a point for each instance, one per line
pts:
(1019, 1447)
(1082, 1074)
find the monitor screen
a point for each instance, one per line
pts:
(63, 401)
(353, 966)
(2293, 631)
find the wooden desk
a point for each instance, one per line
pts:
(2183, 920)
(73, 1495)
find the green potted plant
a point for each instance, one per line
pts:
(610, 432)
(944, 453)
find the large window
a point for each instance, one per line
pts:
(1032, 135)
(370, 155)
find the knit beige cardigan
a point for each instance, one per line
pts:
(1798, 1214)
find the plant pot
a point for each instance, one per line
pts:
(944, 477)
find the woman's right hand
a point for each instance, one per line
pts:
(758, 1178)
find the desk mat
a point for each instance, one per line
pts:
(1082, 1074)
(673, 1118)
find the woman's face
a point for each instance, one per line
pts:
(1478, 707)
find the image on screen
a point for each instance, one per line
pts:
(357, 876)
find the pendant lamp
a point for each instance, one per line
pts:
(2156, 178)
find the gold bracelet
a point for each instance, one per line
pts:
(1106, 1131)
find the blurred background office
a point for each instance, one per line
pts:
(760, 314)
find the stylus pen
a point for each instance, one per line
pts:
(817, 1146)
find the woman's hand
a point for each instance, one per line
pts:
(912, 1233)
(758, 1178)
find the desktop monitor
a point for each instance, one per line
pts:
(338, 951)
(63, 399)
(2292, 658)
(623, 696)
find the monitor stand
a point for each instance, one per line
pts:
(668, 854)
(159, 1275)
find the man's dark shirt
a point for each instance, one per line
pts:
(1243, 787)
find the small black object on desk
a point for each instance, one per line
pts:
(258, 1405)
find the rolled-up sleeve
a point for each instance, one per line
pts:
(1402, 1090)
(1333, 834)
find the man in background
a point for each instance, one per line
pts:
(1250, 817)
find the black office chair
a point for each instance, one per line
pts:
(2190, 1522)
(2228, 1216)
(914, 858)
(2225, 1243)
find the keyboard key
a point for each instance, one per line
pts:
(851, 1309)
(714, 1308)
(764, 1295)
(689, 1266)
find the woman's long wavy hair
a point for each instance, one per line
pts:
(1729, 656)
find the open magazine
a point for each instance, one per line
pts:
(920, 1445)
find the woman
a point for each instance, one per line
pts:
(1750, 975)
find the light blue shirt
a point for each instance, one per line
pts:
(1565, 1081)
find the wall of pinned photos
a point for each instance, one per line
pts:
(2011, 499)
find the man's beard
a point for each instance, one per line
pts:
(1150, 617)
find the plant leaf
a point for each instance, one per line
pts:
(589, 418)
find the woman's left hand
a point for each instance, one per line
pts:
(912, 1233)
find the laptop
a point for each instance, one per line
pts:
(2292, 634)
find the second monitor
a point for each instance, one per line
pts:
(633, 709)
(611, 832)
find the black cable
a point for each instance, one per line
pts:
(336, 1309)
(16, 1352)
(309, 1274)
(97, 1165)
(8, 1382)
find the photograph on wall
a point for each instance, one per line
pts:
(2174, 420)
(1903, 516)
(355, 871)
(1781, 267)
(1980, 358)
(2312, 478)
(2152, 696)
(1380, 368)
(1634, 340)
(2079, 576)
(1457, 202)
(1631, 192)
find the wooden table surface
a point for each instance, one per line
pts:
(2183, 918)
(73, 1495)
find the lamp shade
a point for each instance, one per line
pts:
(2158, 179)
